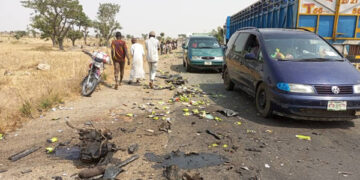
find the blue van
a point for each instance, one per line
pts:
(202, 52)
(292, 73)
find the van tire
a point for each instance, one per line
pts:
(263, 102)
(229, 85)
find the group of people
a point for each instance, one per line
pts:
(166, 47)
(119, 53)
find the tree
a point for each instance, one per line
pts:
(54, 18)
(84, 25)
(182, 35)
(218, 34)
(144, 36)
(74, 35)
(162, 35)
(106, 22)
(20, 34)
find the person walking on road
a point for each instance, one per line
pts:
(118, 54)
(152, 47)
(137, 69)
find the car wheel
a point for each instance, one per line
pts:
(229, 85)
(188, 67)
(263, 102)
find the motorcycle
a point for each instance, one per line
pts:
(93, 78)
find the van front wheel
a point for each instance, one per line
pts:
(263, 102)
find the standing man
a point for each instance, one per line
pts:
(137, 69)
(118, 54)
(152, 47)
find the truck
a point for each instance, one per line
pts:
(337, 21)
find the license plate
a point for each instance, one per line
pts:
(207, 63)
(336, 106)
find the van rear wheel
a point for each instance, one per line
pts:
(229, 85)
(263, 102)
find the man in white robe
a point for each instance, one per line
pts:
(137, 69)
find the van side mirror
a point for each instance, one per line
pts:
(250, 56)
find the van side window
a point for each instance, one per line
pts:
(231, 42)
(240, 42)
(252, 45)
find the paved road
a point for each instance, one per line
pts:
(332, 153)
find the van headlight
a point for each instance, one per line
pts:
(219, 58)
(296, 88)
(356, 89)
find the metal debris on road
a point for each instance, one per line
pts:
(302, 137)
(23, 153)
(26, 171)
(228, 112)
(133, 148)
(52, 140)
(213, 134)
(253, 150)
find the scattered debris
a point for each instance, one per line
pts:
(209, 116)
(249, 131)
(268, 131)
(24, 153)
(113, 171)
(228, 112)
(1, 136)
(150, 130)
(253, 150)
(345, 174)
(303, 137)
(3, 170)
(197, 176)
(95, 146)
(57, 178)
(26, 171)
(267, 166)
(165, 126)
(171, 172)
(43, 67)
(91, 172)
(213, 134)
(49, 150)
(133, 148)
(72, 153)
(218, 119)
(186, 161)
(124, 130)
(52, 140)
(237, 123)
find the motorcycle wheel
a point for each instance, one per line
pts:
(89, 86)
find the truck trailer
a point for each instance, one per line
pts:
(337, 21)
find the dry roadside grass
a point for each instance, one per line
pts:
(26, 92)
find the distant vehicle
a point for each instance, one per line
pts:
(292, 73)
(203, 52)
(337, 21)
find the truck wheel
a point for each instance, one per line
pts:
(263, 102)
(229, 85)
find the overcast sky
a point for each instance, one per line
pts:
(172, 17)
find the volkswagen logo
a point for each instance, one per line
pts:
(335, 89)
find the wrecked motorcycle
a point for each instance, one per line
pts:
(96, 67)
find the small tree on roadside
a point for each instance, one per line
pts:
(19, 34)
(84, 25)
(54, 18)
(106, 22)
(218, 34)
(74, 35)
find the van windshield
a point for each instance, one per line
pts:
(300, 48)
(203, 43)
